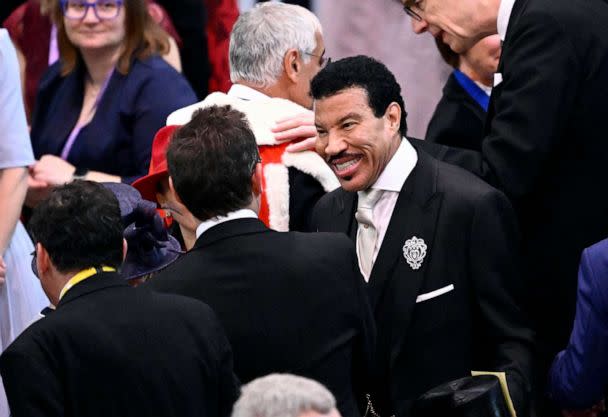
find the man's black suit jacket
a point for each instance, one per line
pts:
(290, 302)
(471, 237)
(546, 147)
(111, 350)
(458, 119)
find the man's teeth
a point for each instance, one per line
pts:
(347, 164)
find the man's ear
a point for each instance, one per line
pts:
(125, 248)
(43, 260)
(256, 180)
(174, 192)
(292, 64)
(393, 116)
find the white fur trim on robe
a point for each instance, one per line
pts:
(262, 115)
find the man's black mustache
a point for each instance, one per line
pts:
(342, 154)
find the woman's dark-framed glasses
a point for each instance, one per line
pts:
(103, 9)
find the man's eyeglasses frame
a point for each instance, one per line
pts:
(407, 8)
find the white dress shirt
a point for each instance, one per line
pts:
(484, 88)
(246, 93)
(504, 14)
(391, 181)
(239, 214)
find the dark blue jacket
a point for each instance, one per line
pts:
(118, 140)
(579, 374)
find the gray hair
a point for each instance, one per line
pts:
(283, 395)
(261, 36)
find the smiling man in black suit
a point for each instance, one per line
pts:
(290, 302)
(437, 245)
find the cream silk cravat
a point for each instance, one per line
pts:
(366, 232)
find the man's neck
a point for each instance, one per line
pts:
(274, 90)
(56, 282)
(467, 70)
(205, 225)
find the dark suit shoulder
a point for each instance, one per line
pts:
(458, 184)
(458, 119)
(326, 205)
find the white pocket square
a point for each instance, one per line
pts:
(433, 294)
(497, 78)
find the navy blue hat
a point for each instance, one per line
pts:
(150, 247)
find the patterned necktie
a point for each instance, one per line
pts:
(366, 232)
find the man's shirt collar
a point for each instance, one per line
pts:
(246, 93)
(238, 214)
(398, 168)
(504, 14)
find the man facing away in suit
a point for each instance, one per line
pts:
(545, 142)
(275, 50)
(436, 245)
(109, 349)
(289, 301)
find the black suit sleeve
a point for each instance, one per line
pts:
(456, 124)
(304, 192)
(500, 288)
(44, 396)
(533, 105)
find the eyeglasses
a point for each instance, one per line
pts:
(103, 9)
(323, 60)
(34, 267)
(258, 160)
(409, 10)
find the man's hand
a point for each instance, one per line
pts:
(301, 128)
(590, 412)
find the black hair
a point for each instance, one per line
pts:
(79, 225)
(366, 73)
(211, 160)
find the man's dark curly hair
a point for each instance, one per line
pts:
(80, 227)
(366, 73)
(211, 160)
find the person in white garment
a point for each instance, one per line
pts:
(21, 297)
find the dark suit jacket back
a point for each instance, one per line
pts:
(111, 350)
(290, 302)
(458, 119)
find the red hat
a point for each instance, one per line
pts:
(158, 164)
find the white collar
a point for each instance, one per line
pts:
(504, 14)
(484, 88)
(238, 214)
(246, 93)
(398, 168)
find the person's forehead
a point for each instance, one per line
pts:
(351, 101)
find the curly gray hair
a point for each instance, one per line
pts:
(283, 395)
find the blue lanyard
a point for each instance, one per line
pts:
(473, 89)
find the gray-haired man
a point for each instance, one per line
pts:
(275, 51)
(285, 395)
